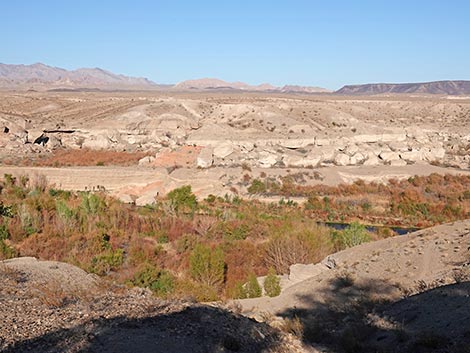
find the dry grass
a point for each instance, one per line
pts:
(87, 157)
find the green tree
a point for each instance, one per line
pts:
(207, 265)
(272, 285)
(182, 198)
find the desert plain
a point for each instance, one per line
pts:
(210, 140)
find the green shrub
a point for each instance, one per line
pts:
(272, 284)
(186, 242)
(182, 199)
(207, 266)
(352, 235)
(257, 187)
(5, 211)
(161, 282)
(92, 204)
(252, 287)
(236, 233)
(109, 261)
(6, 251)
(4, 233)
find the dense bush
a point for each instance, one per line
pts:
(161, 282)
(207, 265)
(252, 289)
(182, 199)
(272, 284)
(352, 235)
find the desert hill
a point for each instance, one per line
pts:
(437, 87)
(401, 294)
(49, 306)
(205, 84)
(40, 76)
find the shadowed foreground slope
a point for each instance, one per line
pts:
(55, 316)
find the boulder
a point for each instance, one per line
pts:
(223, 150)
(146, 160)
(205, 158)
(342, 159)
(126, 198)
(143, 200)
(327, 152)
(267, 159)
(351, 150)
(98, 142)
(311, 160)
(372, 160)
(246, 146)
(398, 146)
(387, 157)
(434, 154)
(322, 142)
(412, 156)
(54, 142)
(358, 158)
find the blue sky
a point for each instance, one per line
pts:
(306, 42)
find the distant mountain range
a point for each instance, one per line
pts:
(40, 76)
(437, 87)
(43, 77)
(216, 84)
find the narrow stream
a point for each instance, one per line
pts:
(398, 230)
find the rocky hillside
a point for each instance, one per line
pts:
(49, 306)
(438, 87)
(40, 76)
(403, 294)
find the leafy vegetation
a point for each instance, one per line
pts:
(272, 284)
(213, 248)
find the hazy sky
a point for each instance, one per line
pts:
(325, 43)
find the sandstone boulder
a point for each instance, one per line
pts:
(327, 152)
(412, 156)
(387, 157)
(434, 154)
(357, 158)
(267, 159)
(205, 158)
(223, 150)
(351, 150)
(372, 160)
(97, 142)
(311, 160)
(147, 199)
(146, 160)
(342, 159)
